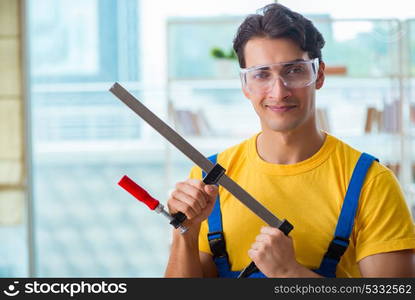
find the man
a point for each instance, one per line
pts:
(297, 171)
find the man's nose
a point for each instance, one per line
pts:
(278, 89)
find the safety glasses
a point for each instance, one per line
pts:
(296, 74)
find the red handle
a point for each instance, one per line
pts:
(138, 192)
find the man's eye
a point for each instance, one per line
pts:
(295, 70)
(261, 75)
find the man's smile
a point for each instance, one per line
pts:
(280, 108)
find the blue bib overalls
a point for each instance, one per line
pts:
(336, 248)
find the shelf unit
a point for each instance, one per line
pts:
(366, 70)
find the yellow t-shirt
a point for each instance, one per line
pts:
(310, 194)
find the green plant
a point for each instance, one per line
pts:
(217, 52)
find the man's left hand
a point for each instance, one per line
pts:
(273, 253)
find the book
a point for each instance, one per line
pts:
(412, 113)
(205, 128)
(190, 123)
(394, 167)
(391, 120)
(371, 117)
(185, 122)
(195, 123)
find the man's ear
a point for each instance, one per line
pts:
(320, 75)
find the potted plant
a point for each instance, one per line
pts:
(226, 62)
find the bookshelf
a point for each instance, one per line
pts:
(365, 99)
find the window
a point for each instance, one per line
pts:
(84, 140)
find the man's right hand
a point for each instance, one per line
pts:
(193, 198)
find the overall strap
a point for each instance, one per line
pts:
(216, 238)
(215, 218)
(345, 223)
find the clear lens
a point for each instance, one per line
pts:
(261, 79)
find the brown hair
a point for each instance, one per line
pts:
(277, 21)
